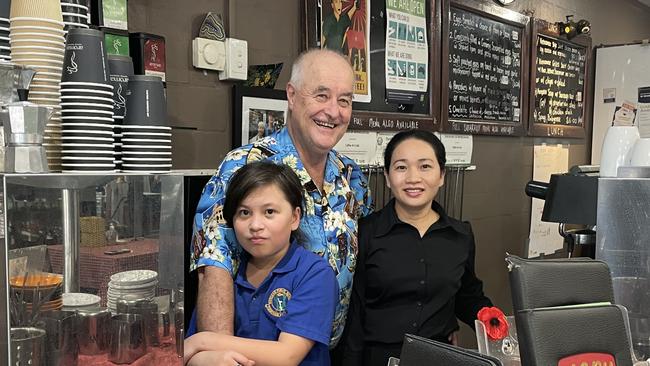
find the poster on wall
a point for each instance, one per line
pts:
(345, 27)
(407, 57)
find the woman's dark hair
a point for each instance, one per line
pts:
(426, 136)
(260, 174)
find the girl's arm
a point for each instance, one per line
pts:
(288, 350)
(219, 358)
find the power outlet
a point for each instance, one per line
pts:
(236, 67)
(208, 54)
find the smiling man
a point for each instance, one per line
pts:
(336, 192)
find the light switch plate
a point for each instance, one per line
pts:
(208, 54)
(236, 67)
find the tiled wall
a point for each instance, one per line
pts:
(200, 106)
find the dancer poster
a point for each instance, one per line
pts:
(345, 27)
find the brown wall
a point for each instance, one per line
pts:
(199, 106)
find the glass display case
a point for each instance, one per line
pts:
(93, 271)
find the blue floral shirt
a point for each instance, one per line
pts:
(329, 223)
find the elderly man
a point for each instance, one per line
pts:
(336, 193)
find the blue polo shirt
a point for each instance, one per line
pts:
(299, 297)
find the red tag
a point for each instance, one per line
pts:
(154, 55)
(588, 359)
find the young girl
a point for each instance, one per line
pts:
(285, 295)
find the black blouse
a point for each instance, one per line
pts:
(405, 283)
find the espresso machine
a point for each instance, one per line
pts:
(570, 200)
(23, 123)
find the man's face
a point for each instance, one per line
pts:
(336, 7)
(322, 106)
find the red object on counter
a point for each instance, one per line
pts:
(495, 322)
(96, 267)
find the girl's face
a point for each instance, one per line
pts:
(264, 221)
(414, 175)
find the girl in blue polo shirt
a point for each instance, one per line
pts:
(285, 295)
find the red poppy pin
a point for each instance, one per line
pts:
(495, 322)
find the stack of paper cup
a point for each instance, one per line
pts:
(75, 13)
(4, 31)
(36, 39)
(87, 101)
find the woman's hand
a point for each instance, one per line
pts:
(219, 358)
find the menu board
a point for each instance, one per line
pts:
(485, 72)
(559, 85)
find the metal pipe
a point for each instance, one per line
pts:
(70, 208)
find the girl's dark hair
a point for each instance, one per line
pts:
(260, 174)
(426, 136)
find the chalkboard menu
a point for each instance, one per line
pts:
(558, 83)
(485, 76)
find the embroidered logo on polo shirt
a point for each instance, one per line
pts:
(277, 302)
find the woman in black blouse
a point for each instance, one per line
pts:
(415, 266)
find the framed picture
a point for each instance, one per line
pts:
(257, 113)
(382, 101)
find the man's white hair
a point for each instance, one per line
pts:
(298, 69)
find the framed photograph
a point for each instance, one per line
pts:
(257, 113)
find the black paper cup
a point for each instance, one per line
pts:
(145, 102)
(87, 133)
(89, 153)
(146, 129)
(86, 105)
(86, 119)
(86, 127)
(145, 155)
(87, 140)
(145, 142)
(68, 112)
(74, 9)
(85, 57)
(87, 92)
(86, 85)
(121, 70)
(147, 135)
(72, 146)
(144, 148)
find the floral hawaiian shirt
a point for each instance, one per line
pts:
(329, 223)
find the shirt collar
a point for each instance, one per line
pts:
(287, 264)
(388, 219)
(334, 167)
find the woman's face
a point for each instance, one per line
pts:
(414, 175)
(263, 223)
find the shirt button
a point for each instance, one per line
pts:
(422, 282)
(415, 325)
(254, 298)
(419, 304)
(421, 260)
